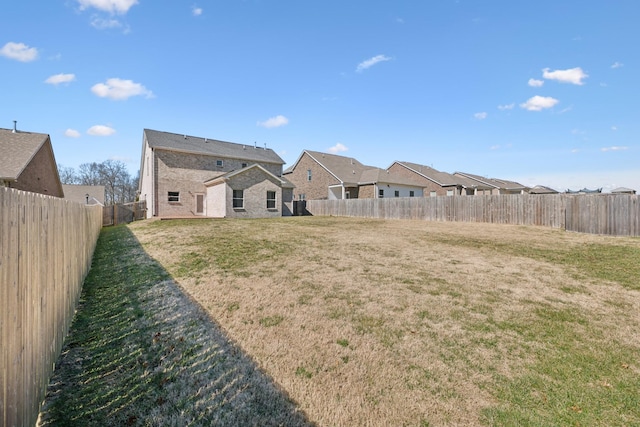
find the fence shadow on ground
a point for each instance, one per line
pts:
(140, 352)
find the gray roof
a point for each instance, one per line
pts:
(349, 170)
(18, 148)
(207, 146)
(494, 182)
(541, 189)
(443, 179)
(78, 193)
(624, 190)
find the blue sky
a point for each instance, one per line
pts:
(542, 92)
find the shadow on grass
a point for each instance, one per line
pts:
(140, 352)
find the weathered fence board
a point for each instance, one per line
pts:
(124, 213)
(46, 245)
(612, 214)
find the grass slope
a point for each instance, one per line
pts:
(139, 352)
(369, 322)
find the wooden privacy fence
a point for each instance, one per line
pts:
(123, 213)
(614, 214)
(46, 246)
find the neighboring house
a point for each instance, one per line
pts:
(28, 163)
(249, 192)
(623, 190)
(541, 189)
(319, 176)
(498, 186)
(437, 183)
(185, 176)
(85, 194)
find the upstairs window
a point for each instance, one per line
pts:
(173, 196)
(411, 193)
(244, 165)
(380, 194)
(309, 175)
(238, 199)
(433, 194)
(271, 199)
(396, 193)
(219, 163)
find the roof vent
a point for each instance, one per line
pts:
(265, 145)
(185, 137)
(205, 140)
(255, 145)
(15, 126)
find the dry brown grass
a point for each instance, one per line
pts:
(370, 322)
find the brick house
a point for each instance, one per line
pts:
(437, 183)
(498, 186)
(28, 163)
(318, 176)
(187, 176)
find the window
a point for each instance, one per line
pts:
(411, 193)
(238, 199)
(449, 192)
(302, 196)
(347, 195)
(380, 194)
(309, 175)
(396, 193)
(219, 163)
(433, 194)
(174, 196)
(244, 165)
(271, 199)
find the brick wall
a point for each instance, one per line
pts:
(318, 187)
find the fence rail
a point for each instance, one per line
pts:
(123, 213)
(612, 214)
(46, 246)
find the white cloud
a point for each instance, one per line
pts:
(196, 11)
(617, 65)
(371, 62)
(480, 116)
(19, 51)
(539, 103)
(111, 6)
(72, 133)
(118, 89)
(100, 130)
(614, 148)
(614, 128)
(274, 122)
(535, 83)
(506, 107)
(571, 75)
(399, 20)
(105, 24)
(60, 78)
(338, 148)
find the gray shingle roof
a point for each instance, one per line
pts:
(17, 151)
(350, 171)
(495, 182)
(207, 146)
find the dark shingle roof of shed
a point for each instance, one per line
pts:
(18, 148)
(495, 182)
(212, 147)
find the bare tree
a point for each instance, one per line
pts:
(68, 175)
(119, 186)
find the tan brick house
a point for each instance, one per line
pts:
(318, 176)
(437, 183)
(498, 186)
(28, 163)
(187, 176)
